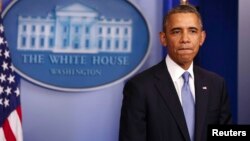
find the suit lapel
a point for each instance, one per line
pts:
(201, 95)
(167, 91)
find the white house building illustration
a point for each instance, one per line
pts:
(75, 28)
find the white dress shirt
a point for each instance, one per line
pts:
(176, 74)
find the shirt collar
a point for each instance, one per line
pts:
(175, 70)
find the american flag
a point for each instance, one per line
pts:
(10, 108)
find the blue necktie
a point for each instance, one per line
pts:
(188, 105)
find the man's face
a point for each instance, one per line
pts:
(183, 38)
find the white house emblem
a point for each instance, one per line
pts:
(74, 46)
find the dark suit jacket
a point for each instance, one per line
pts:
(151, 109)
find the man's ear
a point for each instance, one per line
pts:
(203, 37)
(163, 39)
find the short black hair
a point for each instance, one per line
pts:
(187, 8)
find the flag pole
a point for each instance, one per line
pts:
(183, 2)
(1, 4)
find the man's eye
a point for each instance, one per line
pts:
(193, 31)
(175, 32)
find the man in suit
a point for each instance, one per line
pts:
(154, 106)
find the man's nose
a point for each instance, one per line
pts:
(185, 38)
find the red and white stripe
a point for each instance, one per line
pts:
(12, 127)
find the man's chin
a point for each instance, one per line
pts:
(185, 61)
